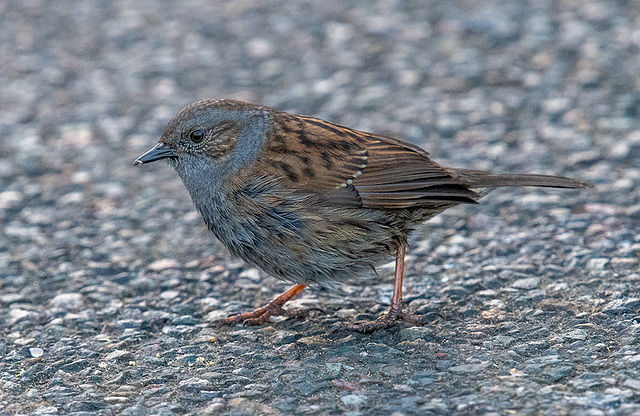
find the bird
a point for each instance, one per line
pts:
(312, 202)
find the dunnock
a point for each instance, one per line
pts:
(310, 201)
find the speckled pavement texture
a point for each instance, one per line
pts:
(108, 277)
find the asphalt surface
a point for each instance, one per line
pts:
(108, 277)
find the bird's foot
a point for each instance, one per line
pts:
(391, 318)
(260, 315)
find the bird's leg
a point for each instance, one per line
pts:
(261, 315)
(395, 313)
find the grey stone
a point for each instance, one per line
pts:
(307, 388)
(413, 333)
(46, 411)
(67, 301)
(469, 368)
(194, 384)
(526, 283)
(576, 334)
(557, 374)
(618, 306)
(185, 320)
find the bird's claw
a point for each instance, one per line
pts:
(392, 318)
(262, 315)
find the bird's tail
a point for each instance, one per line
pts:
(482, 179)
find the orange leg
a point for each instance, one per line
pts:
(395, 313)
(261, 315)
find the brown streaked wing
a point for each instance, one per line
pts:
(311, 154)
(351, 167)
(398, 176)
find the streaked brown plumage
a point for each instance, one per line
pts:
(311, 201)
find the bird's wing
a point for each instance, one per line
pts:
(350, 167)
(399, 175)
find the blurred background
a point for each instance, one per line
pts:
(90, 246)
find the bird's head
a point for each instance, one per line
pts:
(223, 134)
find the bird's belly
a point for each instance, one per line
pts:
(313, 245)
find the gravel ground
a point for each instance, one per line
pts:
(108, 277)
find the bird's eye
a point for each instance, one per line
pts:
(196, 136)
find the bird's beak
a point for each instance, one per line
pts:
(157, 152)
